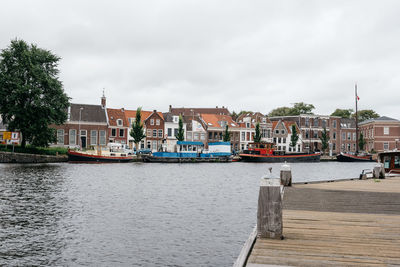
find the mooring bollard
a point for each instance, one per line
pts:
(379, 171)
(269, 213)
(286, 175)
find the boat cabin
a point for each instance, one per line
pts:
(390, 160)
(262, 148)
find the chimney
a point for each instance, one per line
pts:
(155, 111)
(170, 107)
(216, 106)
(122, 109)
(103, 100)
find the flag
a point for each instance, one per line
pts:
(358, 98)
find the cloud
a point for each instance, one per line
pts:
(255, 55)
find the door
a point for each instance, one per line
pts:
(83, 141)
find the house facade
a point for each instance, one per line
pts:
(282, 134)
(118, 126)
(86, 127)
(348, 138)
(171, 126)
(215, 125)
(381, 134)
(154, 131)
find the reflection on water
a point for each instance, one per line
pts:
(135, 214)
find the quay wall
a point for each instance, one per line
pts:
(9, 157)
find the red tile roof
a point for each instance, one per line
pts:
(212, 120)
(114, 115)
(144, 114)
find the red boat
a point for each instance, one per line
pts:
(348, 157)
(95, 156)
(264, 152)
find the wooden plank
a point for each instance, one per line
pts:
(244, 253)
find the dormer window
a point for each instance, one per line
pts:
(175, 119)
(119, 122)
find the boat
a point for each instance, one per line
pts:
(191, 152)
(390, 160)
(357, 156)
(264, 152)
(108, 155)
(351, 157)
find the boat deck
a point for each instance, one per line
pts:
(346, 223)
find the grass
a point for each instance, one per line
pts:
(35, 150)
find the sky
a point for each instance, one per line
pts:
(244, 55)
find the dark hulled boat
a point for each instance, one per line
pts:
(93, 157)
(347, 157)
(264, 152)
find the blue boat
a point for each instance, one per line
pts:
(189, 151)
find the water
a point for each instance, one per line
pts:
(136, 214)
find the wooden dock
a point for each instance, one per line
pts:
(346, 223)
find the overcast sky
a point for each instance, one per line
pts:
(246, 55)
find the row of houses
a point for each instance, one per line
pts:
(97, 125)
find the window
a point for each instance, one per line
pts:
(154, 133)
(157, 122)
(151, 121)
(203, 136)
(113, 132)
(60, 136)
(243, 136)
(343, 136)
(196, 136)
(316, 122)
(315, 134)
(210, 135)
(279, 140)
(334, 136)
(121, 132)
(247, 124)
(154, 145)
(119, 122)
(283, 132)
(148, 132)
(274, 140)
(160, 133)
(354, 147)
(284, 140)
(333, 146)
(385, 130)
(323, 123)
(175, 132)
(307, 134)
(102, 138)
(148, 145)
(307, 122)
(277, 131)
(386, 146)
(348, 136)
(348, 147)
(354, 136)
(189, 136)
(175, 119)
(93, 137)
(334, 124)
(169, 131)
(72, 137)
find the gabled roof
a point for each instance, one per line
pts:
(254, 115)
(144, 114)
(286, 124)
(116, 114)
(214, 120)
(87, 113)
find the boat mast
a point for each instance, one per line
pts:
(356, 98)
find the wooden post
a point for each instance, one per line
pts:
(269, 214)
(379, 171)
(286, 175)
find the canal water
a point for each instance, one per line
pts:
(136, 214)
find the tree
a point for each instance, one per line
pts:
(295, 137)
(366, 114)
(180, 135)
(361, 142)
(257, 135)
(227, 135)
(324, 139)
(343, 113)
(137, 131)
(31, 95)
(297, 109)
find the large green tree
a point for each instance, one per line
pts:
(257, 135)
(324, 139)
(294, 137)
(366, 114)
(31, 94)
(343, 113)
(180, 135)
(297, 109)
(137, 131)
(227, 135)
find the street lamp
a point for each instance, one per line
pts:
(79, 127)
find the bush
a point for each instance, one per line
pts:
(34, 150)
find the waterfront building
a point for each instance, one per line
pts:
(86, 126)
(282, 133)
(381, 134)
(171, 126)
(153, 125)
(247, 122)
(347, 135)
(118, 126)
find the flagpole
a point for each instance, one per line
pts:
(356, 119)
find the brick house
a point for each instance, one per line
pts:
(247, 122)
(118, 126)
(347, 135)
(381, 134)
(86, 127)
